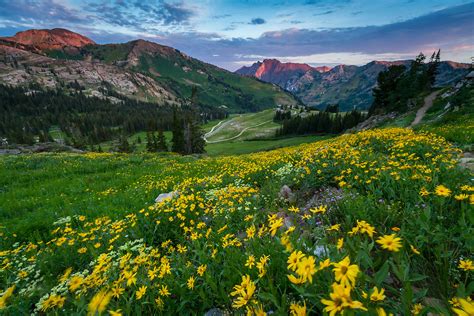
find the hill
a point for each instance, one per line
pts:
(42, 40)
(138, 69)
(381, 217)
(346, 85)
(272, 70)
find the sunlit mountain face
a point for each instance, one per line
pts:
(232, 34)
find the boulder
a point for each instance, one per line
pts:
(166, 196)
(286, 193)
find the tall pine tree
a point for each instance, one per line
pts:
(178, 134)
(161, 144)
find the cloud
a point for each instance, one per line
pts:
(324, 13)
(326, 2)
(175, 13)
(135, 16)
(142, 15)
(332, 59)
(221, 16)
(39, 12)
(257, 21)
(441, 29)
(170, 23)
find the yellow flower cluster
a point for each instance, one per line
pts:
(225, 239)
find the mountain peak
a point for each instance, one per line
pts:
(271, 67)
(45, 39)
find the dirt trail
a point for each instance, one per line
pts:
(236, 136)
(212, 130)
(428, 102)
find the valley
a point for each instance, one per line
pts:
(138, 180)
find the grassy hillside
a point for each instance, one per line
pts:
(227, 137)
(216, 87)
(452, 117)
(179, 73)
(379, 220)
(253, 125)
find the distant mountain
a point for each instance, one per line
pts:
(42, 40)
(139, 69)
(274, 71)
(349, 86)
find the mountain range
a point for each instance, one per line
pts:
(147, 71)
(139, 69)
(347, 85)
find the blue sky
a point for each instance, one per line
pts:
(235, 33)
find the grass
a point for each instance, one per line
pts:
(400, 121)
(454, 123)
(237, 123)
(260, 138)
(64, 185)
(381, 209)
(250, 146)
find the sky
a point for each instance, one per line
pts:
(232, 33)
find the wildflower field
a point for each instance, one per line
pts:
(376, 223)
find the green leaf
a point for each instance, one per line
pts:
(418, 277)
(382, 274)
(269, 297)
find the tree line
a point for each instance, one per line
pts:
(397, 85)
(327, 122)
(30, 113)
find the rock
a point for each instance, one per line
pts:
(216, 312)
(467, 162)
(39, 148)
(320, 251)
(372, 122)
(166, 196)
(10, 151)
(324, 196)
(286, 193)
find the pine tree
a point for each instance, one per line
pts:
(433, 67)
(178, 135)
(123, 145)
(161, 142)
(150, 147)
(197, 139)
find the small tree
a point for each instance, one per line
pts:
(161, 144)
(433, 67)
(124, 145)
(178, 134)
(150, 146)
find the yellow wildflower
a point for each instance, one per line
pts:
(99, 302)
(344, 272)
(298, 310)
(466, 265)
(141, 292)
(441, 190)
(377, 295)
(390, 242)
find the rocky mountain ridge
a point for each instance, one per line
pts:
(347, 85)
(139, 69)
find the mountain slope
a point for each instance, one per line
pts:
(349, 86)
(137, 69)
(274, 71)
(19, 67)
